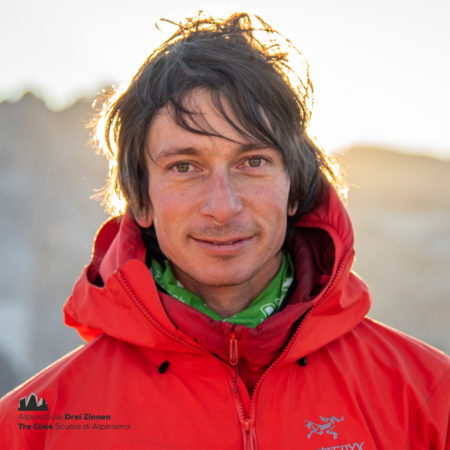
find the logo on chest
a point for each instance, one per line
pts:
(327, 426)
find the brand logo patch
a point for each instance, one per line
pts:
(327, 426)
(32, 404)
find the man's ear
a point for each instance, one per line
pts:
(144, 218)
(292, 209)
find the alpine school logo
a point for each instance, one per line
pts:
(34, 415)
(32, 404)
(327, 426)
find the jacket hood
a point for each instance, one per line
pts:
(116, 293)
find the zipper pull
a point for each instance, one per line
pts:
(233, 356)
(249, 435)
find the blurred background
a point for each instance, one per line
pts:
(380, 71)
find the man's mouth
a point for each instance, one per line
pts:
(230, 242)
(221, 241)
(229, 245)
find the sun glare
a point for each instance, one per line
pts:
(110, 196)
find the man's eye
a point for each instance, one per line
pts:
(255, 162)
(181, 167)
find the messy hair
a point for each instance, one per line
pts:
(261, 76)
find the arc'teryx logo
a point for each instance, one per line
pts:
(32, 404)
(327, 426)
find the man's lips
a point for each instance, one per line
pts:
(222, 241)
(228, 241)
(224, 246)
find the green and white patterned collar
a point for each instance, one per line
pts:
(266, 304)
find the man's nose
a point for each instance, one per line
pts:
(222, 199)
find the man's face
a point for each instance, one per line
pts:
(219, 206)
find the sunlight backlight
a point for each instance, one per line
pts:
(380, 70)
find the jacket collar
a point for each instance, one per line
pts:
(128, 306)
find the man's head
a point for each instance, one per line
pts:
(247, 65)
(211, 154)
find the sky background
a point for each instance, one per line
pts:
(380, 69)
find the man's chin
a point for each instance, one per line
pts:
(219, 279)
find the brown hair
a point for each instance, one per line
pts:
(252, 68)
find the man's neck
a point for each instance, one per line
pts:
(226, 301)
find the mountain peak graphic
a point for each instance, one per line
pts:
(32, 404)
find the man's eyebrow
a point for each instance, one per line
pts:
(169, 152)
(174, 151)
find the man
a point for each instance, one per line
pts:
(220, 311)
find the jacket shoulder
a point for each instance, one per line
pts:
(397, 355)
(384, 356)
(395, 344)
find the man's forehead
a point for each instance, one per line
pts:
(198, 123)
(199, 109)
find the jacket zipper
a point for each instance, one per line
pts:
(233, 357)
(248, 430)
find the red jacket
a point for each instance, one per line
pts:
(157, 374)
